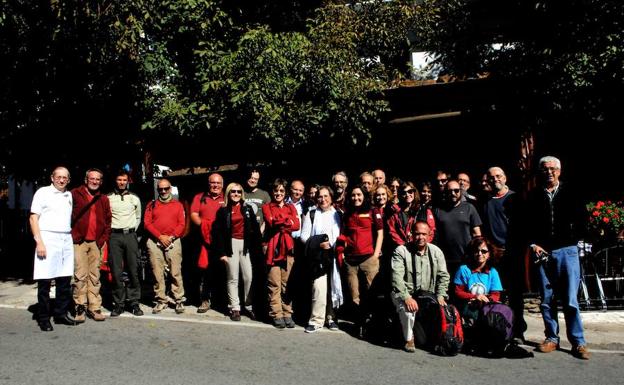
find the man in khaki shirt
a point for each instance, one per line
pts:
(417, 267)
(124, 246)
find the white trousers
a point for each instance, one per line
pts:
(238, 263)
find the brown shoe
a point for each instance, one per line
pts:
(547, 346)
(580, 351)
(80, 316)
(96, 315)
(409, 346)
(204, 307)
(235, 315)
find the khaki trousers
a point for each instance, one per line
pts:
(87, 259)
(368, 269)
(321, 303)
(279, 300)
(166, 262)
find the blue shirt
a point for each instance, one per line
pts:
(478, 282)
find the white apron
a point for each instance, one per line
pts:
(59, 261)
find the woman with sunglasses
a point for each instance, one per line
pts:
(487, 322)
(236, 238)
(410, 211)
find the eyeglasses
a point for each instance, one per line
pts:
(164, 188)
(444, 180)
(482, 251)
(454, 190)
(236, 191)
(410, 191)
(549, 169)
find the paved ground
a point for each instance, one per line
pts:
(604, 331)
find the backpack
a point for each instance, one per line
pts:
(450, 337)
(494, 327)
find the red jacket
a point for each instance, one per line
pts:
(280, 222)
(80, 216)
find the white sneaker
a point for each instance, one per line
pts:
(312, 328)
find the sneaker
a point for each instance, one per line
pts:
(80, 316)
(332, 325)
(547, 346)
(96, 315)
(410, 347)
(289, 322)
(160, 306)
(204, 307)
(580, 351)
(312, 328)
(279, 323)
(117, 310)
(136, 310)
(235, 315)
(179, 309)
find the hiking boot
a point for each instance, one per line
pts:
(80, 316)
(179, 309)
(204, 307)
(289, 322)
(580, 351)
(410, 347)
(235, 315)
(117, 310)
(160, 306)
(279, 323)
(136, 310)
(96, 315)
(547, 346)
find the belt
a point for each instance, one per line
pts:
(123, 231)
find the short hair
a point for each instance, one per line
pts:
(473, 246)
(496, 168)
(61, 168)
(93, 169)
(329, 190)
(549, 158)
(122, 172)
(252, 170)
(366, 174)
(279, 182)
(341, 173)
(229, 188)
(422, 223)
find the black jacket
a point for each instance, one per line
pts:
(222, 232)
(558, 224)
(319, 260)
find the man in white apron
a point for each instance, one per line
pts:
(50, 222)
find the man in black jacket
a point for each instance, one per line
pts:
(556, 218)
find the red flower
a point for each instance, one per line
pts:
(599, 204)
(595, 213)
(605, 220)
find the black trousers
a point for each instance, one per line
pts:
(123, 255)
(62, 301)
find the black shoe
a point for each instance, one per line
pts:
(45, 326)
(288, 321)
(136, 310)
(250, 314)
(279, 323)
(117, 310)
(65, 320)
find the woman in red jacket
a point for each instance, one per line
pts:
(363, 230)
(280, 219)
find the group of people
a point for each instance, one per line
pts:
(376, 239)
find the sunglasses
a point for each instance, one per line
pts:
(454, 190)
(410, 191)
(236, 191)
(482, 251)
(164, 188)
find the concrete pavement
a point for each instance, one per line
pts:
(604, 331)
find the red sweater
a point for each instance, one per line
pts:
(164, 218)
(360, 230)
(80, 216)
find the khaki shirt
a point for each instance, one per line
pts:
(126, 212)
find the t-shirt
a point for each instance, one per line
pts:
(238, 223)
(54, 208)
(256, 199)
(478, 282)
(454, 228)
(497, 219)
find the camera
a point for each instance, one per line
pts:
(542, 257)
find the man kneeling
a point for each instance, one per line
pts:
(418, 267)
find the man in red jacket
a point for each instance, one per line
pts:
(91, 229)
(164, 222)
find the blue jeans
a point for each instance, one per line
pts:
(560, 278)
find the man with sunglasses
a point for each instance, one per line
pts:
(164, 221)
(457, 223)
